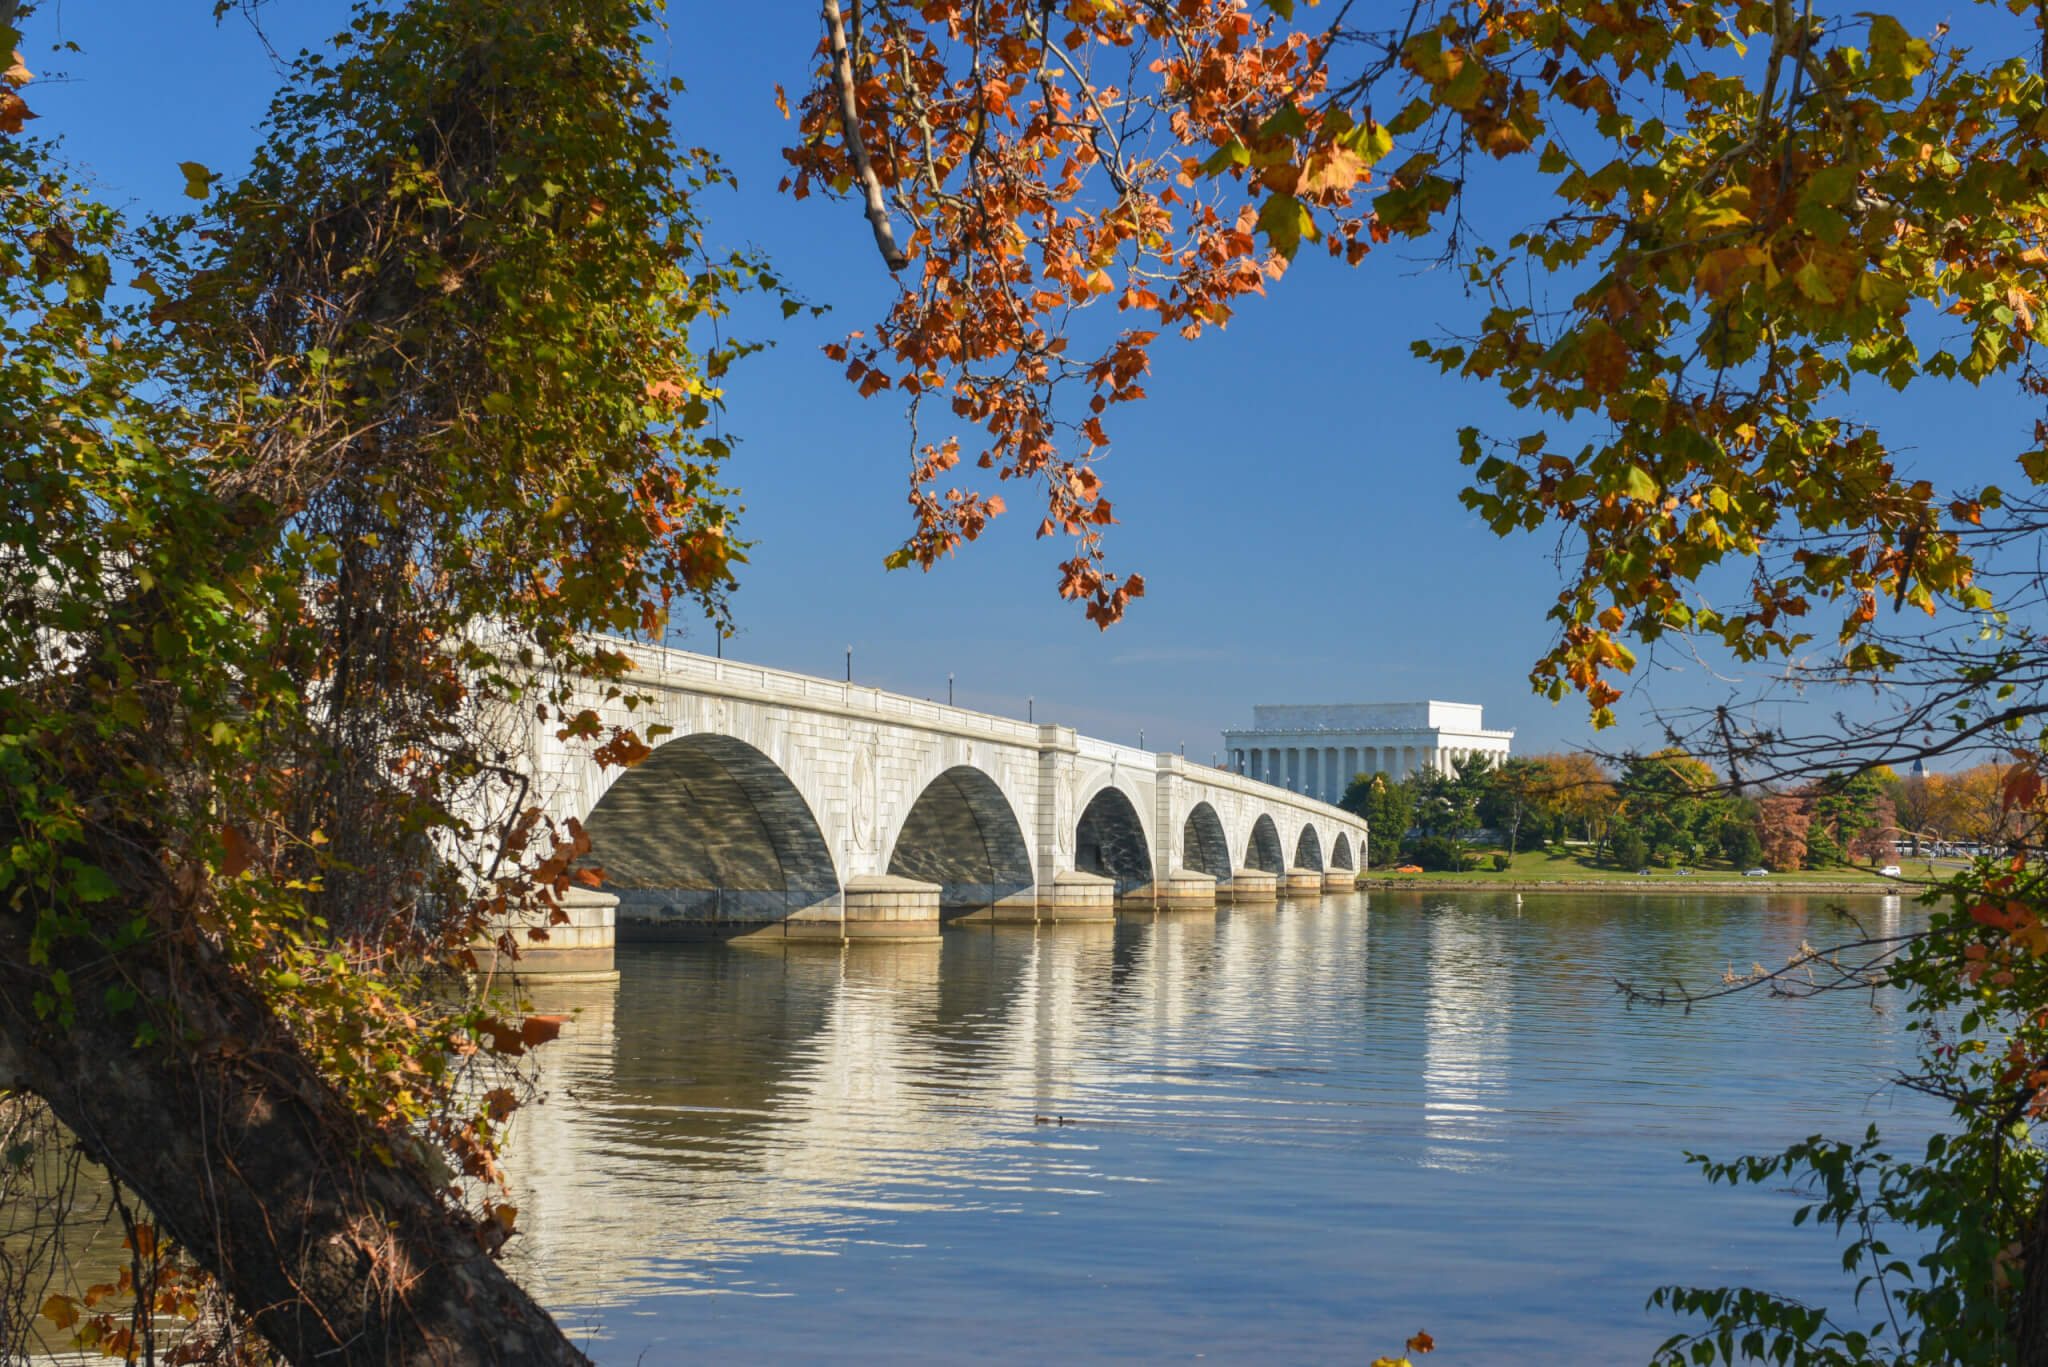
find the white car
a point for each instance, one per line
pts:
(1890, 871)
(1756, 873)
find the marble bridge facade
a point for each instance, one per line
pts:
(779, 804)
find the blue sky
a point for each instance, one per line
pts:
(1289, 491)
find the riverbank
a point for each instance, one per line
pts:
(1860, 887)
(1574, 870)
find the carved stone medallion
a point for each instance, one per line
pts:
(860, 801)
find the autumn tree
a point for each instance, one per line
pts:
(308, 489)
(1913, 803)
(1520, 791)
(1746, 216)
(1583, 791)
(1782, 821)
(1968, 805)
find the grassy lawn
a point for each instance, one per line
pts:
(1546, 865)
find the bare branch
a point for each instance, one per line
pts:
(856, 150)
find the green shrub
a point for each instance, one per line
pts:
(1501, 863)
(1739, 842)
(1629, 850)
(1437, 854)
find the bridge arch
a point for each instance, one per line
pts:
(1204, 846)
(1340, 851)
(710, 829)
(1308, 851)
(1263, 851)
(963, 834)
(1109, 839)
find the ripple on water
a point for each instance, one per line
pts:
(1291, 1134)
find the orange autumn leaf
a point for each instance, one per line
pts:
(235, 851)
(538, 1030)
(2022, 788)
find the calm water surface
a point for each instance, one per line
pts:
(1292, 1135)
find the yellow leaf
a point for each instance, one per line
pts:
(1331, 170)
(1813, 284)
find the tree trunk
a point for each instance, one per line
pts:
(255, 1165)
(2030, 1312)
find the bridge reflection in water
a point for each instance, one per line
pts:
(775, 1098)
(1297, 1132)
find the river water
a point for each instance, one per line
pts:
(1291, 1135)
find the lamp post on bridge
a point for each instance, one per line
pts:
(949, 688)
(1031, 710)
(849, 664)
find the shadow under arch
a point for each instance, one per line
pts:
(1204, 846)
(1110, 841)
(1340, 852)
(707, 834)
(1308, 851)
(1263, 852)
(962, 834)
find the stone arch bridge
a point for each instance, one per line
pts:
(782, 804)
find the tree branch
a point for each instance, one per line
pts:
(856, 151)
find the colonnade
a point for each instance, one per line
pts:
(1324, 772)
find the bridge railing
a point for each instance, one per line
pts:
(1108, 751)
(1271, 792)
(683, 668)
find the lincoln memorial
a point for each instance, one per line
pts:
(1316, 748)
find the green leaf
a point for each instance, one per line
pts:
(1285, 221)
(1637, 484)
(1286, 122)
(198, 180)
(1893, 51)
(1831, 185)
(91, 883)
(1370, 140)
(1232, 153)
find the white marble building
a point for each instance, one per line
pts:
(1315, 748)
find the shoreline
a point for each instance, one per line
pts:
(1899, 888)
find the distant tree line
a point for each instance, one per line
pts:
(1666, 809)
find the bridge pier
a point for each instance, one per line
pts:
(578, 952)
(1300, 882)
(1340, 880)
(1019, 908)
(1077, 896)
(1249, 886)
(1179, 890)
(878, 907)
